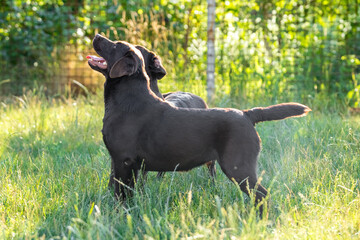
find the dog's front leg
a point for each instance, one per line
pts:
(111, 178)
(125, 175)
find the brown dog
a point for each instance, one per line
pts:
(156, 71)
(140, 128)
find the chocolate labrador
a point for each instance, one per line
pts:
(141, 129)
(156, 71)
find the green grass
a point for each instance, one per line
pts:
(54, 170)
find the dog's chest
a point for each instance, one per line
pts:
(120, 129)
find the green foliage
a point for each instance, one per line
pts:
(32, 29)
(32, 32)
(265, 49)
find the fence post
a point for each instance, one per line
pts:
(210, 72)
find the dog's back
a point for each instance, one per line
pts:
(185, 100)
(183, 135)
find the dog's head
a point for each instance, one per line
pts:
(117, 59)
(153, 66)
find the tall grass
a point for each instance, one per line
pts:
(54, 172)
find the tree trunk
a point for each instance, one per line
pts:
(210, 72)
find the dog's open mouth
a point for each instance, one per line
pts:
(97, 61)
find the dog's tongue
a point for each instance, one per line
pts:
(97, 61)
(95, 58)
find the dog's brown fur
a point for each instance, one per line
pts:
(156, 71)
(140, 128)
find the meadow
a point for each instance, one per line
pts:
(54, 167)
(54, 173)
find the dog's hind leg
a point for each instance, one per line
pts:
(212, 169)
(241, 167)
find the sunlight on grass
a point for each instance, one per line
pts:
(54, 172)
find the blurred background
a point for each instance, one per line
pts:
(268, 50)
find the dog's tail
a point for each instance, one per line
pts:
(276, 112)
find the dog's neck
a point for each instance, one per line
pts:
(128, 93)
(154, 87)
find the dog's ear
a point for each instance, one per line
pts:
(157, 68)
(125, 66)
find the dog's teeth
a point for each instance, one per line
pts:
(104, 63)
